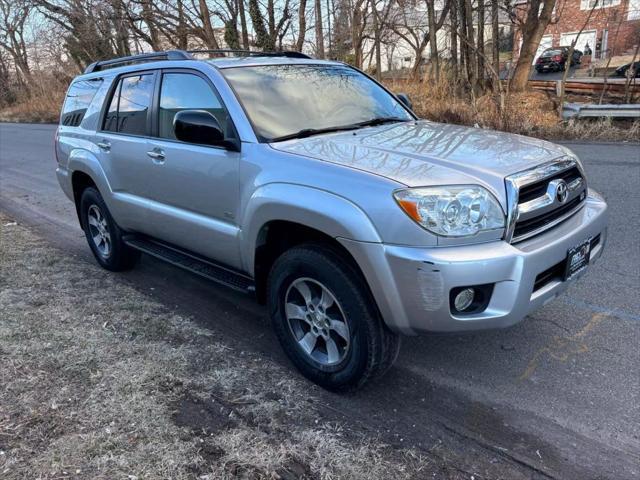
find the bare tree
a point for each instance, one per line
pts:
(13, 19)
(537, 18)
(412, 27)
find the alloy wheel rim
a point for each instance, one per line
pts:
(99, 231)
(317, 322)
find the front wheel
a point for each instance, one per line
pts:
(326, 320)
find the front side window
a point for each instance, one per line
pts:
(281, 100)
(130, 105)
(79, 97)
(185, 91)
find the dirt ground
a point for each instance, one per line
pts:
(99, 381)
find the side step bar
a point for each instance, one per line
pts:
(192, 262)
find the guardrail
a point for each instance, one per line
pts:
(581, 110)
(585, 87)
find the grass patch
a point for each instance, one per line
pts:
(100, 381)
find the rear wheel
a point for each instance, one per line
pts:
(103, 234)
(326, 320)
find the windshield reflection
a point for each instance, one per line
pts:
(281, 100)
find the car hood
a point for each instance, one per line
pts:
(427, 153)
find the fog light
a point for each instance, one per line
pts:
(464, 299)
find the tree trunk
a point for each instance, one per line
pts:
(302, 25)
(319, 34)
(243, 25)
(263, 39)
(376, 37)
(181, 33)
(148, 17)
(433, 40)
(495, 36)
(454, 39)
(480, 55)
(470, 63)
(532, 31)
(209, 36)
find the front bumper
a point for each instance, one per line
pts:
(411, 285)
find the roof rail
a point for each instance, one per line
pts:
(182, 55)
(252, 53)
(140, 58)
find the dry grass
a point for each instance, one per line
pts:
(41, 104)
(99, 381)
(531, 113)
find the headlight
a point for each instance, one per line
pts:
(452, 211)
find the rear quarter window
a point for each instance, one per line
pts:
(79, 97)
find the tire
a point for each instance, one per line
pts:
(103, 234)
(370, 347)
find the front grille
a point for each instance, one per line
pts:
(537, 189)
(536, 194)
(527, 226)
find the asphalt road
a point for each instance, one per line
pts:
(557, 396)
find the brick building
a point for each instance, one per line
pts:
(613, 29)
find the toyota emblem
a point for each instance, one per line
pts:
(562, 191)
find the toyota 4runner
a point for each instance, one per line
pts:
(309, 185)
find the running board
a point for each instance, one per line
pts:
(192, 263)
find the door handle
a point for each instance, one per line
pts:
(104, 145)
(157, 156)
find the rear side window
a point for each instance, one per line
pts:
(79, 97)
(129, 106)
(185, 91)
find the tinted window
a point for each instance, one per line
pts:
(130, 104)
(78, 99)
(284, 99)
(183, 91)
(111, 120)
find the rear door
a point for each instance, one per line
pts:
(123, 144)
(196, 185)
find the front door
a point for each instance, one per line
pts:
(194, 187)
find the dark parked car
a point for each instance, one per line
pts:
(554, 59)
(623, 71)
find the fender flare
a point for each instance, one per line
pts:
(81, 160)
(314, 208)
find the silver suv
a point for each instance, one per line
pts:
(309, 185)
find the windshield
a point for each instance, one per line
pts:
(551, 53)
(282, 100)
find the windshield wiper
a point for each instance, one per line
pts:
(381, 120)
(308, 132)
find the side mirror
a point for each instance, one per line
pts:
(199, 126)
(404, 98)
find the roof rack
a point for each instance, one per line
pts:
(140, 58)
(252, 53)
(182, 55)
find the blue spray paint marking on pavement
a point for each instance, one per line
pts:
(614, 312)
